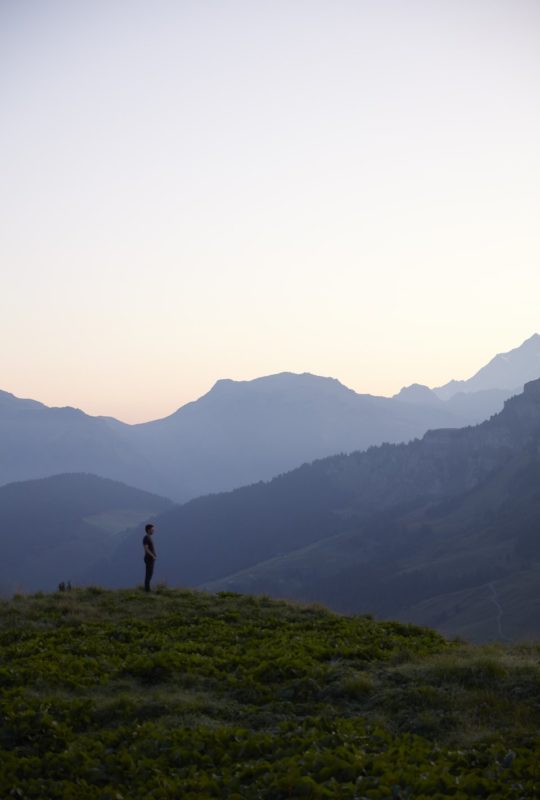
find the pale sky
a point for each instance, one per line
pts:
(201, 190)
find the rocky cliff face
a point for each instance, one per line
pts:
(522, 412)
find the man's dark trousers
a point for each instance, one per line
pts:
(149, 562)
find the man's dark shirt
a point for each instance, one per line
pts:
(147, 542)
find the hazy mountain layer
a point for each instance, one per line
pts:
(38, 441)
(237, 433)
(242, 431)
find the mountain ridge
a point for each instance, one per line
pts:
(237, 433)
(509, 370)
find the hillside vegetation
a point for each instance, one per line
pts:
(117, 695)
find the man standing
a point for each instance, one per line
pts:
(149, 555)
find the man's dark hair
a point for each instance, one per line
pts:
(148, 528)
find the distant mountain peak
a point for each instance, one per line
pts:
(278, 381)
(533, 342)
(528, 347)
(417, 393)
(510, 370)
(8, 399)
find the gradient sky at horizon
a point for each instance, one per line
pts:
(202, 190)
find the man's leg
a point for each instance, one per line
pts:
(148, 576)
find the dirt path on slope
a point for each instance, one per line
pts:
(494, 597)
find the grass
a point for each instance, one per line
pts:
(183, 694)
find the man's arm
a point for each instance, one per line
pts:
(149, 552)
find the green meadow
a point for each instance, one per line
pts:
(118, 695)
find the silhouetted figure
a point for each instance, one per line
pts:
(62, 586)
(149, 555)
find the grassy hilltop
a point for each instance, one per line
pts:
(117, 695)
